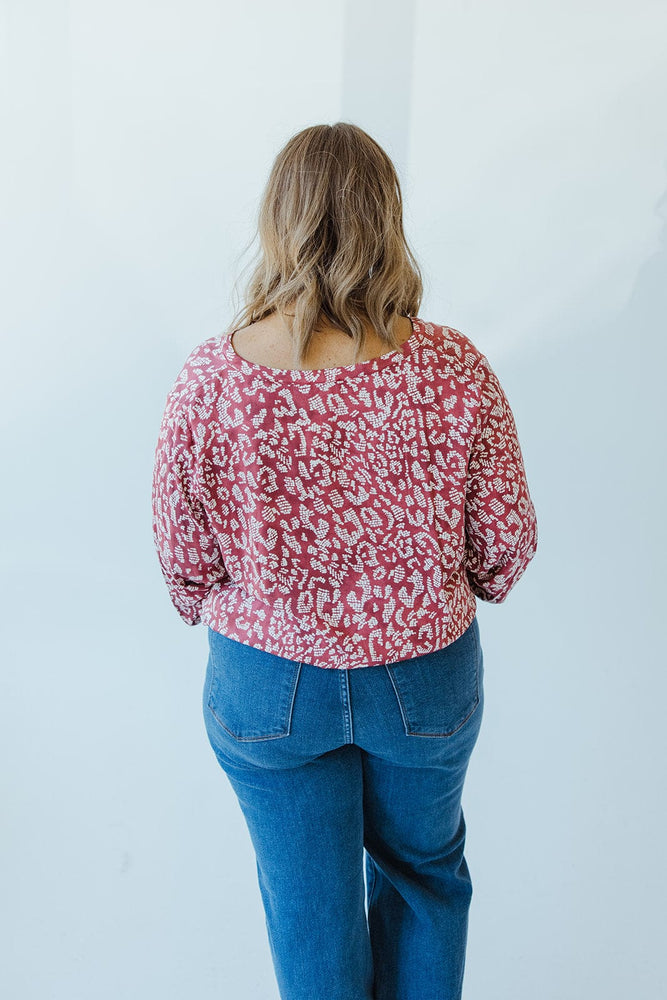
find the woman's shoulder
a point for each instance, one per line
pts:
(197, 373)
(448, 343)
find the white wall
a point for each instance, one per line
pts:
(532, 144)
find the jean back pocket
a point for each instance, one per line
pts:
(250, 692)
(438, 692)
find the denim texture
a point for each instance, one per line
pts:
(339, 769)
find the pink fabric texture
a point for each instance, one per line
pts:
(342, 517)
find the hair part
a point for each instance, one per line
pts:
(332, 245)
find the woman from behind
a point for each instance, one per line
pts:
(337, 480)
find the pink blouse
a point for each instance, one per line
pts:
(345, 516)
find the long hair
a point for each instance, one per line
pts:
(332, 246)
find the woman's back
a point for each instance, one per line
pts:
(360, 508)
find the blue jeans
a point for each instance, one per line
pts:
(327, 764)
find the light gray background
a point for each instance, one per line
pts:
(531, 139)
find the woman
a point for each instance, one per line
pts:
(336, 481)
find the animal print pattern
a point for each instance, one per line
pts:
(342, 517)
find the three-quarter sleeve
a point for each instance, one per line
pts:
(501, 524)
(188, 552)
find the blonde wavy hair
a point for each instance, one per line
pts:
(332, 245)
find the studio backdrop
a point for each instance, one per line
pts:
(531, 141)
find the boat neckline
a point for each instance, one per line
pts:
(392, 357)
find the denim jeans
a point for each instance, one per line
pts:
(334, 769)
